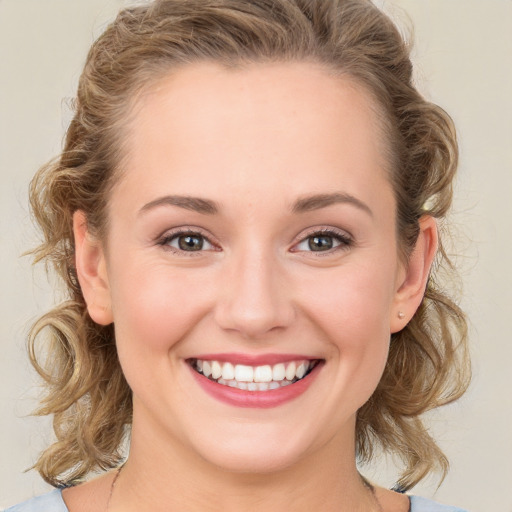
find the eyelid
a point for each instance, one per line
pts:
(170, 234)
(346, 239)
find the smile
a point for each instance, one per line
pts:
(253, 378)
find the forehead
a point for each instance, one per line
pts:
(261, 126)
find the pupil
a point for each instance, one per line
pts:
(191, 243)
(320, 243)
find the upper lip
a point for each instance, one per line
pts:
(252, 359)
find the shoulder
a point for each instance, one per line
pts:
(51, 502)
(419, 504)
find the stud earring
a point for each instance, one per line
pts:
(401, 315)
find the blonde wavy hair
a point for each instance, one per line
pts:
(86, 391)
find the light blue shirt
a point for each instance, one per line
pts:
(53, 502)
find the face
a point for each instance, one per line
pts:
(252, 240)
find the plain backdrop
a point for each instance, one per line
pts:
(463, 57)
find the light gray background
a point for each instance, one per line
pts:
(463, 54)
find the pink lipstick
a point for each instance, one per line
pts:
(254, 381)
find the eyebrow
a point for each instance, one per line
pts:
(195, 204)
(318, 201)
(302, 205)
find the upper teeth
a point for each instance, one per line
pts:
(243, 373)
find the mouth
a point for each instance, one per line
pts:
(259, 378)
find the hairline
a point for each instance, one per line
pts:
(140, 89)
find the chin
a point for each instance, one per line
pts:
(256, 456)
(255, 463)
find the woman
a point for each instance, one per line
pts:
(245, 214)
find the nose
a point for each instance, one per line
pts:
(255, 296)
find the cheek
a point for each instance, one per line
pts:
(353, 303)
(156, 307)
(353, 312)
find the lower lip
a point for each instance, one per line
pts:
(256, 399)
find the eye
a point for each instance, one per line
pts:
(186, 241)
(323, 241)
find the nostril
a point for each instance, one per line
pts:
(251, 323)
(254, 316)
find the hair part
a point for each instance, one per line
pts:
(86, 391)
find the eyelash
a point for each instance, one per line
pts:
(166, 239)
(343, 240)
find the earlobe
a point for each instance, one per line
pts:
(413, 282)
(91, 271)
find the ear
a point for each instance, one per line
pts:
(412, 280)
(91, 270)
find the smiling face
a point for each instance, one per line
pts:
(251, 239)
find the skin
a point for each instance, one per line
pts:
(254, 141)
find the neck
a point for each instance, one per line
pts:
(164, 474)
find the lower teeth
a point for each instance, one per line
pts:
(254, 386)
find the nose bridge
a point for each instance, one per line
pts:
(255, 299)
